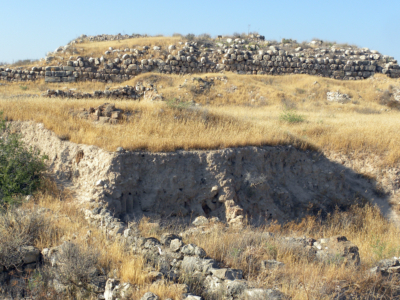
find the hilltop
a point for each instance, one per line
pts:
(184, 167)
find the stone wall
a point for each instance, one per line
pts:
(238, 56)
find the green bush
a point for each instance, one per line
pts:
(291, 117)
(21, 169)
(179, 105)
(190, 37)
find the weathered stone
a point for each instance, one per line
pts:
(337, 97)
(230, 274)
(149, 296)
(199, 221)
(166, 238)
(235, 288)
(271, 265)
(29, 254)
(260, 294)
(175, 245)
(52, 79)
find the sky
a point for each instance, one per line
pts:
(30, 29)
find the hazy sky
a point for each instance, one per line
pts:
(29, 29)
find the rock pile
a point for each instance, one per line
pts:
(172, 259)
(337, 97)
(175, 259)
(105, 113)
(387, 267)
(242, 56)
(127, 92)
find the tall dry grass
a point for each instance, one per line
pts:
(97, 49)
(65, 222)
(301, 278)
(235, 111)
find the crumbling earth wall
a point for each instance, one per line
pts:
(259, 183)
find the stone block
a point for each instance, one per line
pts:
(52, 79)
(230, 274)
(68, 68)
(52, 68)
(59, 73)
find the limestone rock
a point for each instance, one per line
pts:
(387, 266)
(167, 238)
(176, 245)
(337, 97)
(271, 265)
(260, 294)
(230, 274)
(29, 254)
(200, 221)
(149, 296)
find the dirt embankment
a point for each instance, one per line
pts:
(258, 183)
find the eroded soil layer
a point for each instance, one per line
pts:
(258, 183)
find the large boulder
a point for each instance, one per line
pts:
(387, 266)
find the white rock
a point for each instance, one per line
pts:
(99, 183)
(199, 221)
(337, 97)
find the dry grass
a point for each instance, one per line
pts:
(251, 115)
(65, 222)
(375, 237)
(97, 49)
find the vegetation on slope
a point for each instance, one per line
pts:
(21, 169)
(236, 110)
(302, 278)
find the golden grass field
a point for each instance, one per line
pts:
(251, 114)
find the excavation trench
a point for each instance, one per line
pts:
(260, 184)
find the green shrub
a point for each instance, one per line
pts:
(20, 168)
(291, 117)
(176, 104)
(190, 37)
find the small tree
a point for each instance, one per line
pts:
(20, 168)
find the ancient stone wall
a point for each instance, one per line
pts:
(239, 56)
